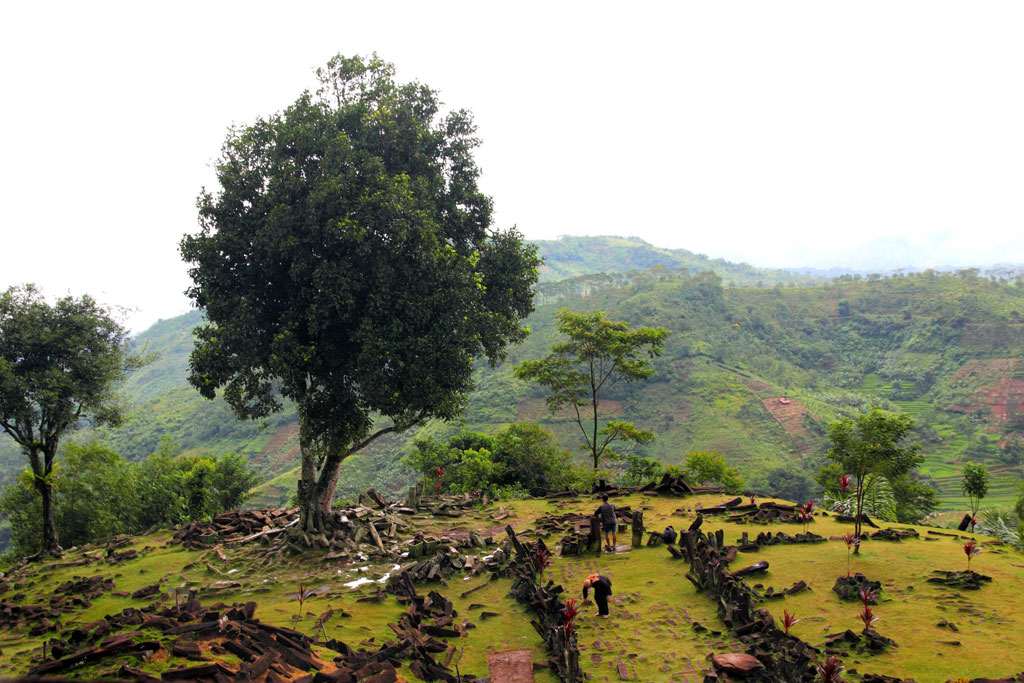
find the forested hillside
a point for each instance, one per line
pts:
(572, 256)
(753, 372)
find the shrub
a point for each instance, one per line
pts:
(710, 467)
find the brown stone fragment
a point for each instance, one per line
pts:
(737, 664)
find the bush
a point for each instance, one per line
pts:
(709, 467)
(520, 457)
(98, 494)
(788, 481)
(639, 470)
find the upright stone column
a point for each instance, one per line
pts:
(638, 528)
(596, 541)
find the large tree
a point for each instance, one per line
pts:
(579, 372)
(872, 445)
(59, 365)
(348, 264)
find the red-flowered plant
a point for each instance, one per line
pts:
(830, 670)
(788, 620)
(569, 617)
(844, 483)
(851, 542)
(867, 616)
(437, 487)
(806, 512)
(303, 594)
(543, 558)
(972, 550)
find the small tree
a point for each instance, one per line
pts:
(975, 486)
(579, 372)
(870, 445)
(704, 466)
(58, 366)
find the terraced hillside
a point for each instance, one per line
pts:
(947, 349)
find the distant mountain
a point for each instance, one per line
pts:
(573, 256)
(755, 372)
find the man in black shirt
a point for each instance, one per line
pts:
(602, 586)
(607, 514)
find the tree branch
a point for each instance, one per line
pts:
(15, 433)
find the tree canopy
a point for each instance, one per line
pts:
(59, 365)
(580, 371)
(872, 445)
(975, 486)
(348, 264)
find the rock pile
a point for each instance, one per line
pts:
(237, 526)
(783, 658)
(849, 587)
(894, 534)
(746, 545)
(545, 602)
(201, 632)
(966, 580)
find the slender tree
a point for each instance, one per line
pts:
(348, 264)
(59, 365)
(975, 487)
(871, 445)
(579, 372)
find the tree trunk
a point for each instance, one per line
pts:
(327, 483)
(308, 518)
(51, 546)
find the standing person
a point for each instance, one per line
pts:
(602, 586)
(607, 514)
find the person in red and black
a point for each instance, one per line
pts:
(602, 586)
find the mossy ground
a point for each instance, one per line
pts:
(655, 611)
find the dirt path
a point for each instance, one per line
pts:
(510, 666)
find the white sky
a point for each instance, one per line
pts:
(859, 134)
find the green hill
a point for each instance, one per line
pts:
(753, 372)
(572, 256)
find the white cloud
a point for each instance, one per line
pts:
(795, 133)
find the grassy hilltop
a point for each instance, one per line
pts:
(661, 627)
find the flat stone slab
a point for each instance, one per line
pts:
(510, 666)
(737, 664)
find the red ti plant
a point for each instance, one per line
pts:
(867, 616)
(830, 670)
(851, 541)
(972, 550)
(753, 499)
(437, 487)
(543, 559)
(844, 484)
(805, 513)
(868, 596)
(303, 594)
(788, 620)
(569, 617)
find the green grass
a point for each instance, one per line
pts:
(653, 607)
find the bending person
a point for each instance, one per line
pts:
(602, 586)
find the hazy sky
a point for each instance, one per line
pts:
(859, 134)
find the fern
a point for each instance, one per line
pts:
(879, 500)
(1000, 524)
